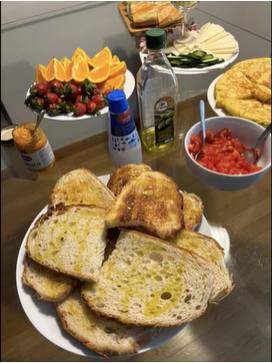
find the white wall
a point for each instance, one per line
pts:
(34, 32)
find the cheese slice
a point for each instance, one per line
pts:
(210, 32)
(222, 37)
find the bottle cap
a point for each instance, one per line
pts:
(117, 102)
(155, 39)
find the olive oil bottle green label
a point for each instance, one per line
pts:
(164, 114)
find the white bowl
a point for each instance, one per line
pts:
(246, 132)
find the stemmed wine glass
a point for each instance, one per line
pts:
(184, 7)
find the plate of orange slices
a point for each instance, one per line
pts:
(65, 87)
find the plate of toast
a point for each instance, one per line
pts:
(78, 276)
(243, 91)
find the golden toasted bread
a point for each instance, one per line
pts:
(122, 175)
(149, 202)
(80, 186)
(209, 249)
(192, 210)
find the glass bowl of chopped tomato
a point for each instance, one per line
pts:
(222, 165)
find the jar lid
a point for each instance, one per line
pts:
(6, 133)
(117, 102)
(155, 39)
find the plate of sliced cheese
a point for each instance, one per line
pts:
(244, 91)
(68, 321)
(219, 49)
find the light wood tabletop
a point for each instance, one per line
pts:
(236, 329)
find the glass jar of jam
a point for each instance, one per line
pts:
(34, 147)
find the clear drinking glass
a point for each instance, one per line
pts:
(184, 7)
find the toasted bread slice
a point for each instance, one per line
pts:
(104, 336)
(49, 285)
(71, 240)
(209, 249)
(192, 210)
(80, 186)
(122, 175)
(149, 202)
(149, 282)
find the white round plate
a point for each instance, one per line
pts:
(44, 317)
(128, 89)
(211, 99)
(194, 71)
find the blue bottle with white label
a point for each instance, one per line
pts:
(123, 138)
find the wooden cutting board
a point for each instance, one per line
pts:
(135, 31)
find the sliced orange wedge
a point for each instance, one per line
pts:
(65, 62)
(40, 71)
(115, 60)
(99, 74)
(79, 53)
(118, 69)
(102, 57)
(113, 83)
(77, 70)
(54, 70)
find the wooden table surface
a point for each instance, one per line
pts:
(237, 329)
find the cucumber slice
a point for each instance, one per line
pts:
(200, 53)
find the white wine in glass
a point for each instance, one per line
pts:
(184, 7)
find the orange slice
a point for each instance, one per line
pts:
(79, 53)
(54, 70)
(40, 71)
(65, 62)
(113, 83)
(118, 69)
(102, 57)
(99, 74)
(115, 60)
(77, 70)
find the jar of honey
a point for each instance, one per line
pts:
(33, 146)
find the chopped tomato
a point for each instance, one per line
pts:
(222, 153)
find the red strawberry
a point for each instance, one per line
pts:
(37, 103)
(65, 107)
(56, 87)
(39, 89)
(53, 109)
(87, 87)
(51, 98)
(96, 91)
(92, 108)
(100, 100)
(79, 109)
(70, 91)
(82, 99)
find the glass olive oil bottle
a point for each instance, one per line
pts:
(157, 90)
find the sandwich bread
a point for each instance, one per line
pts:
(149, 282)
(80, 186)
(70, 240)
(192, 210)
(48, 284)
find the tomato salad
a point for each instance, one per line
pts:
(221, 153)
